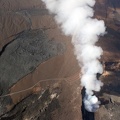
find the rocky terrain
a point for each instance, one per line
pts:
(39, 74)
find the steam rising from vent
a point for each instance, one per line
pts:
(75, 17)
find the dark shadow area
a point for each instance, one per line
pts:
(85, 114)
(104, 101)
(113, 3)
(112, 89)
(111, 83)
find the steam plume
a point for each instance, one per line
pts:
(75, 17)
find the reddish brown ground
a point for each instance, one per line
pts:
(62, 70)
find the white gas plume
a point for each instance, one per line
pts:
(75, 18)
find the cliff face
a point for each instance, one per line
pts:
(39, 74)
(109, 11)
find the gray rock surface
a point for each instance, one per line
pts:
(23, 55)
(35, 107)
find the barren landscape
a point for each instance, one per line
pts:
(39, 73)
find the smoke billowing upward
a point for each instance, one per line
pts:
(75, 17)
